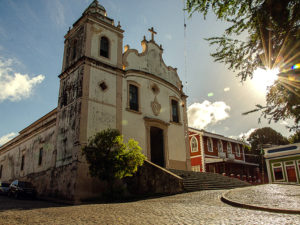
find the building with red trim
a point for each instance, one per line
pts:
(219, 154)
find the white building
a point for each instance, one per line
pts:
(283, 163)
(101, 86)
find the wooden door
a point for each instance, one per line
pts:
(291, 173)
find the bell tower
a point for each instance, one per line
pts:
(90, 83)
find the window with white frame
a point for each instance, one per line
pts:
(194, 144)
(133, 94)
(229, 148)
(220, 146)
(238, 150)
(277, 171)
(209, 145)
(196, 168)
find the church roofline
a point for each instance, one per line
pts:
(25, 132)
(144, 52)
(182, 94)
(43, 118)
(218, 136)
(85, 18)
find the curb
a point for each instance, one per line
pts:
(256, 207)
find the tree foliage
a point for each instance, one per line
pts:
(272, 28)
(295, 138)
(268, 24)
(265, 136)
(260, 138)
(109, 158)
(283, 102)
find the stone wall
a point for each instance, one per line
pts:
(152, 179)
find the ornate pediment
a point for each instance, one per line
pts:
(150, 61)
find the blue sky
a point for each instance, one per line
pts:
(31, 50)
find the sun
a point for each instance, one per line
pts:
(262, 79)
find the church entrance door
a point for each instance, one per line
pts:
(157, 146)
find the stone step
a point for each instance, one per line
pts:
(194, 181)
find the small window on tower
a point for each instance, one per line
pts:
(103, 86)
(104, 47)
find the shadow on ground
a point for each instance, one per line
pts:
(7, 203)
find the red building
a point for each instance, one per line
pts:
(218, 154)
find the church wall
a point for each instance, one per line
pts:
(68, 116)
(102, 103)
(150, 61)
(176, 143)
(97, 32)
(134, 123)
(29, 147)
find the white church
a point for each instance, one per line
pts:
(101, 86)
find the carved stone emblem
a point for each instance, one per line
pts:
(155, 107)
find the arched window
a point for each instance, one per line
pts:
(238, 150)
(104, 47)
(194, 144)
(209, 145)
(220, 146)
(229, 148)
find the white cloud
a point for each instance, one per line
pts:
(200, 115)
(15, 86)
(7, 138)
(284, 123)
(169, 36)
(246, 135)
(57, 13)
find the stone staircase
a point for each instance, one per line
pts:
(196, 181)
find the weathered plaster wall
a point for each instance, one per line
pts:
(68, 116)
(102, 103)
(74, 46)
(11, 157)
(39, 135)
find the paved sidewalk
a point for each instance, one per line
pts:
(269, 197)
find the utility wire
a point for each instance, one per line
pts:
(185, 49)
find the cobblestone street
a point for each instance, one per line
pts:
(202, 207)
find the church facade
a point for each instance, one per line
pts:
(101, 86)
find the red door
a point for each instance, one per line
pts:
(291, 173)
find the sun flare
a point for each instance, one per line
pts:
(262, 79)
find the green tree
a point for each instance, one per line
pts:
(265, 136)
(109, 158)
(260, 138)
(295, 138)
(272, 28)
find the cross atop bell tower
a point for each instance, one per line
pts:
(153, 32)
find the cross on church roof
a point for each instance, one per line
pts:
(152, 33)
